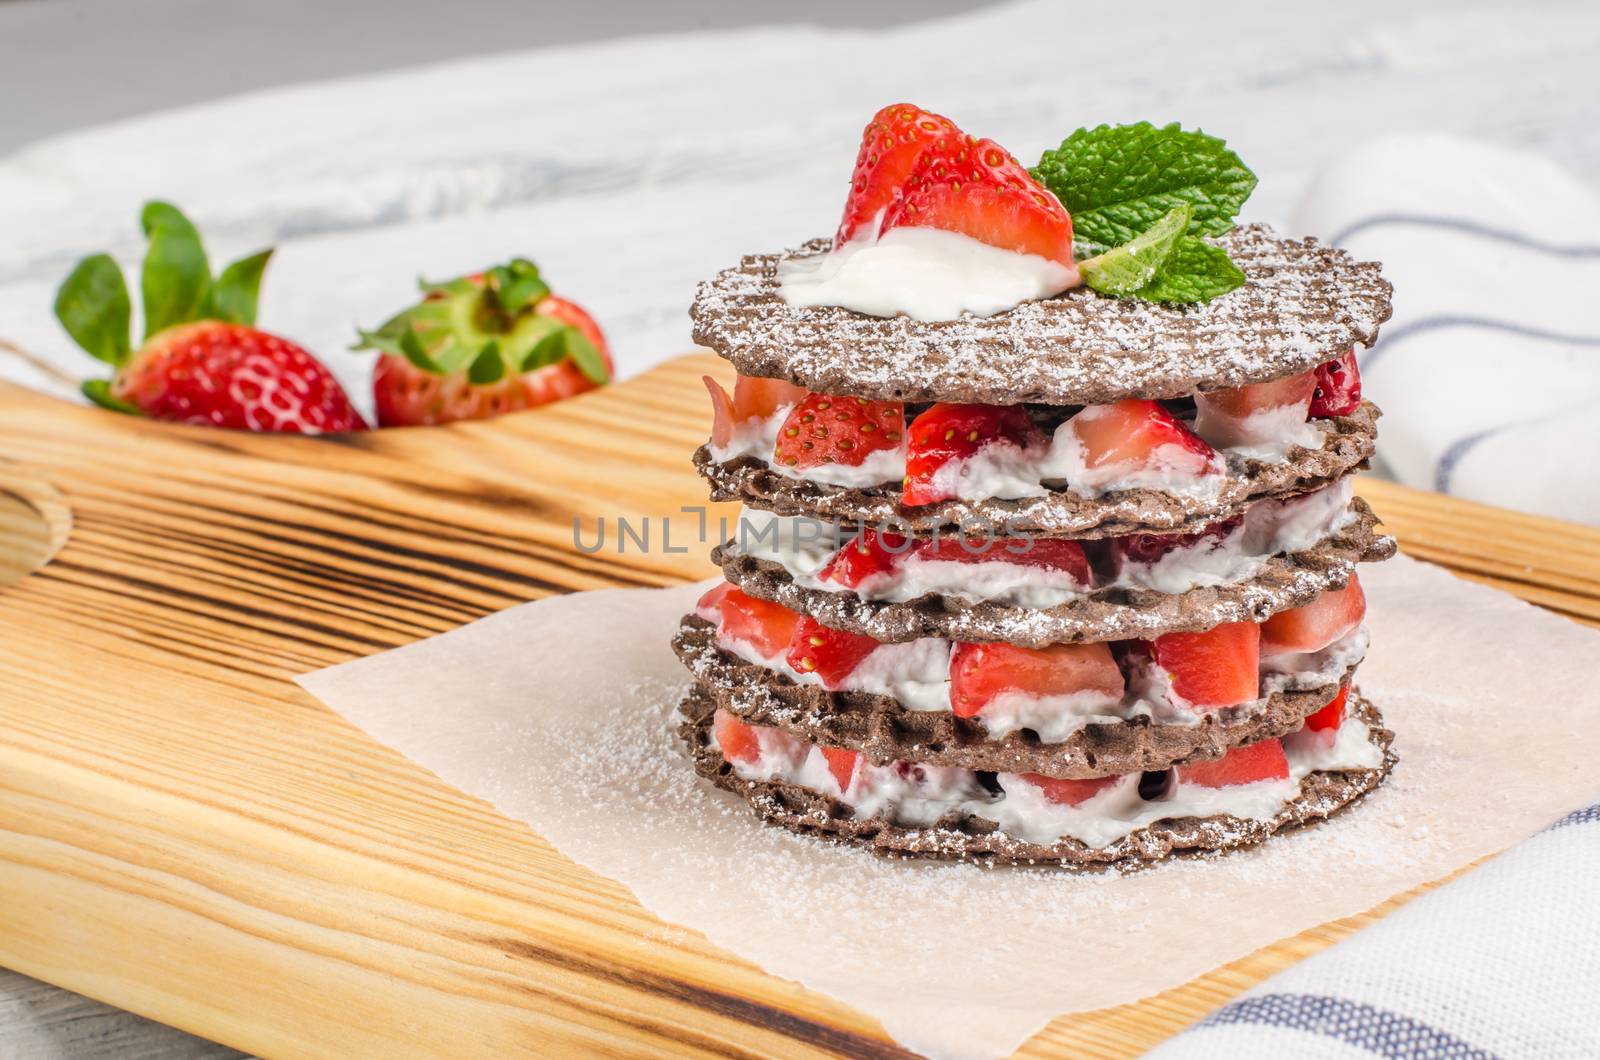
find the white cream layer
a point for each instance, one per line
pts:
(920, 794)
(922, 273)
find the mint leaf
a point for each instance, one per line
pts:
(1119, 181)
(177, 276)
(234, 295)
(1195, 271)
(92, 304)
(1126, 269)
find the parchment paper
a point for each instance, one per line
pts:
(558, 716)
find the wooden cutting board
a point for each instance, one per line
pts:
(186, 834)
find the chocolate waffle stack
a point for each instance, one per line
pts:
(1071, 584)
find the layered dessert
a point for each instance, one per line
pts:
(1049, 545)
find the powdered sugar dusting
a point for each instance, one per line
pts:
(1303, 303)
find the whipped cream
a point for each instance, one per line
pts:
(922, 273)
(914, 794)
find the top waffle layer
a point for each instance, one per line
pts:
(1303, 303)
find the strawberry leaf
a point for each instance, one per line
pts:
(586, 356)
(517, 285)
(92, 304)
(488, 367)
(177, 276)
(99, 392)
(234, 295)
(551, 349)
(411, 349)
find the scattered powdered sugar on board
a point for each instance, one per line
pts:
(570, 733)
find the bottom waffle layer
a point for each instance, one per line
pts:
(965, 836)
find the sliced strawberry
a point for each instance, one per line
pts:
(1242, 765)
(1338, 390)
(1218, 668)
(890, 146)
(981, 673)
(831, 654)
(755, 396)
(868, 554)
(709, 606)
(1134, 435)
(949, 432)
(1148, 548)
(1255, 413)
(1053, 554)
(1333, 614)
(975, 188)
(1331, 716)
(842, 764)
(738, 741)
(723, 418)
(1068, 792)
(765, 626)
(823, 429)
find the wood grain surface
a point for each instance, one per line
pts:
(186, 834)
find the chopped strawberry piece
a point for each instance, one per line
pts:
(738, 741)
(831, 654)
(1255, 413)
(975, 188)
(723, 419)
(1333, 614)
(709, 606)
(842, 764)
(1054, 554)
(823, 429)
(1242, 765)
(1148, 548)
(1338, 390)
(765, 626)
(890, 146)
(869, 553)
(753, 398)
(949, 432)
(1133, 435)
(1218, 668)
(981, 673)
(1330, 716)
(1068, 792)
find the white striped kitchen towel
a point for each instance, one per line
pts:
(1504, 962)
(1489, 373)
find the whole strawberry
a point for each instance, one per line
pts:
(483, 345)
(202, 360)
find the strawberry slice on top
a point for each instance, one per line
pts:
(1119, 441)
(1241, 765)
(948, 434)
(890, 146)
(831, 654)
(1215, 669)
(1338, 389)
(823, 429)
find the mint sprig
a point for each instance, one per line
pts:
(1128, 187)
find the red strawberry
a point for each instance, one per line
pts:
(738, 741)
(1331, 716)
(1148, 548)
(823, 429)
(1333, 614)
(483, 345)
(890, 146)
(1218, 668)
(203, 361)
(1132, 435)
(1338, 390)
(1068, 792)
(1224, 417)
(842, 764)
(869, 553)
(948, 432)
(1055, 554)
(709, 606)
(975, 188)
(752, 398)
(765, 626)
(981, 673)
(831, 654)
(1241, 765)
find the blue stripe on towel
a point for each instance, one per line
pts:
(1445, 470)
(1587, 815)
(1384, 220)
(1385, 1033)
(1388, 339)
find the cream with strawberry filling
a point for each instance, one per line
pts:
(1132, 444)
(1252, 783)
(1260, 421)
